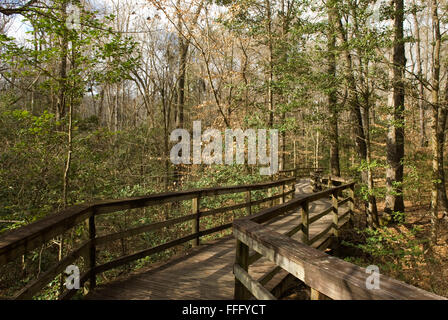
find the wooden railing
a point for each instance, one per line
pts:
(327, 276)
(20, 241)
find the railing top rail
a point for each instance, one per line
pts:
(269, 213)
(329, 275)
(26, 238)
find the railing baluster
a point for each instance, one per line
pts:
(283, 193)
(293, 188)
(352, 203)
(248, 200)
(305, 222)
(270, 194)
(92, 250)
(334, 200)
(241, 259)
(316, 295)
(196, 221)
(195, 203)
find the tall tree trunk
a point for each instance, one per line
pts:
(421, 105)
(179, 114)
(438, 194)
(183, 52)
(184, 44)
(61, 103)
(395, 135)
(271, 63)
(332, 100)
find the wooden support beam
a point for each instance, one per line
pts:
(304, 211)
(316, 295)
(334, 200)
(333, 277)
(249, 204)
(195, 205)
(254, 287)
(92, 251)
(283, 198)
(352, 202)
(241, 259)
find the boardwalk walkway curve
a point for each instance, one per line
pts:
(206, 272)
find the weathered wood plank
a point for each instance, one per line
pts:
(321, 234)
(341, 202)
(304, 211)
(253, 286)
(331, 276)
(320, 215)
(241, 260)
(195, 207)
(16, 242)
(142, 229)
(335, 204)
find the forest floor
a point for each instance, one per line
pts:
(430, 272)
(401, 250)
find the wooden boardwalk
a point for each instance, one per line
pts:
(206, 272)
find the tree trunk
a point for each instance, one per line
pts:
(438, 194)
(332, 100)
(421, 105)
(395, 135)
(61, 104)
(271, 63)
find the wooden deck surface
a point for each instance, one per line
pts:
(206, 272)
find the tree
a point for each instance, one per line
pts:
(395, 136)
(360, 114)
(438, 126)
(332, 97)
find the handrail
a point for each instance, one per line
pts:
(327, 276)
(14, 243)
(19, 241)
(244, 259)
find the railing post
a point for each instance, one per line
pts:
(195, 227)
(270, 193)
(241, 259)
(249, 205)
(92, 250)
(312, 181)
(334, 200)
(316, 295)
(305, 222)
(294, 189)
(352, 202)
(283, 199)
